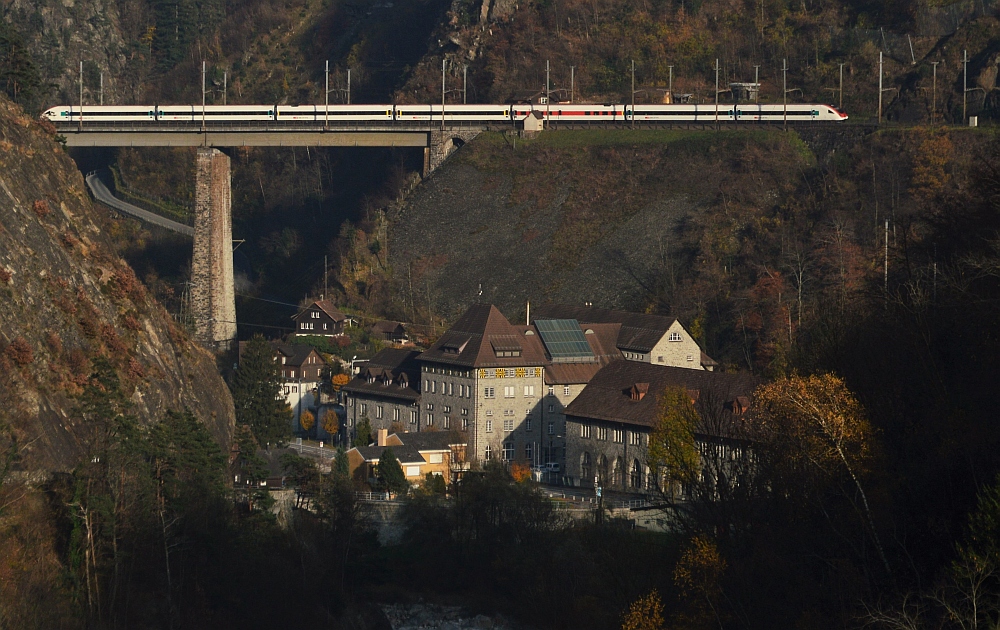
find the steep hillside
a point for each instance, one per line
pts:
(748, 237)
(70, 306)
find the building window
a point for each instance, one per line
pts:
(446, 408)
(659, 359)
(551, 408)
(508, 391)
(350, 402)
(430, 406)
(314, 314)
(447, 422)
(430, 420)
(690, 357)
(508, 425)
(395, 414)
(427, 385)
(635, 438)
(378, 412)
(489, 392)
(465, 424)
(552, 390)
(414, 416)
(451, 389)
(488, 453)
(324, 326)
(508, 451)
(619, 436)
(529, 452)
(674, 336)
(586, 473)
(434, 387)
(636, 477)
(602, 433)
(527, 424)
(465, 411)
(552, 428)
(489, 412)
(293, 373)
(529, 391)
(489, 426)
(565, 390)
(436, 458)
(364, 409)
(585, 430)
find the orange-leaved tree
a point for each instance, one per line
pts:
(339, 380)
(645, 613)
(307, 420)
(698, 576)
(811, 429)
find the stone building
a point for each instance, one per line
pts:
(609, 423)
(386, 391)
(484, 376)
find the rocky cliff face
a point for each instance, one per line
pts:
(67, 302)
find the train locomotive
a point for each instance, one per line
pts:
(314, 115)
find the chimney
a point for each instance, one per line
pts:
(382, 434)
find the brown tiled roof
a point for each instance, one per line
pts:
(707, 360)
(397, 366)
(570, 373)
(327, 307)
(609, 394)
(477, 336)
(639, 331)
(295, 353)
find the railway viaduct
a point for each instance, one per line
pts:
(213, 296)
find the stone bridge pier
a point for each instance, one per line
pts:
(442, 144)
(213, 296)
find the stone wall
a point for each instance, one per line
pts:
(213, 299)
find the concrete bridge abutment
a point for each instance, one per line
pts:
(441, 144)
(213, 295)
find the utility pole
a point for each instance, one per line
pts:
(965, 84)
(934, 93)
(348, 86)
(670, 83)
(81, 97)
(548, 95)
(326, 287)
(225, 86)
(443, 65)
(465, 84)
(880, 87)
(572, 84)
(203, 69)
(885, 281)
(841, 104)
(784, 92)
(756, 80)
(102, 89)
(716, 92)
(633, 94)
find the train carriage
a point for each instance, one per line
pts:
(101, 114)
(456, 114)
(335, 113)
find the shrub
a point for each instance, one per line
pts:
(111, 339)
(54, 342)
(41, 208)
(68, 240)
(131, 322)
(307, 420)
(4, 275)
(19, 351)
(135, 370)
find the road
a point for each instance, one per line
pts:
(102, 194)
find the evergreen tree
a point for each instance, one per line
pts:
(18, 74)
(256, 393)
(341, 465)
(390, 473)
(363, 435)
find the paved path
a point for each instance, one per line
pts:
(102, 194)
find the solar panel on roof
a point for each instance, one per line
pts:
(564, 340)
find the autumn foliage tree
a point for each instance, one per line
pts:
(813, 433)
(307, 420)
(673, 453)
(698, 577)
(645, 613)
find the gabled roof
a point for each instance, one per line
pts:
(639, 331)
(406, 454)
(295, 353)
(479, 335)
(396, 372)
(385, 326)
(327, 307)
(432, 440)
(613, 394)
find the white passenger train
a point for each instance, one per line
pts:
(454, 114)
